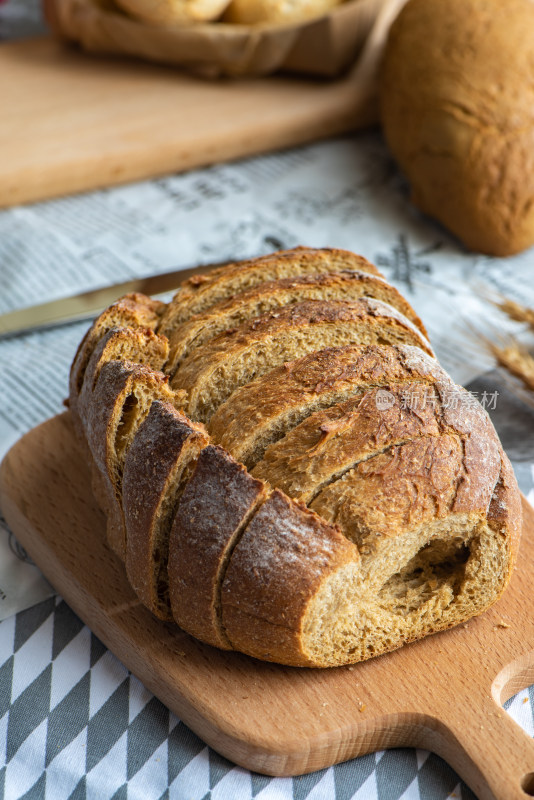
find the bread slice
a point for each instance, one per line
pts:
(331, 443)
(137, 345)
(131, 311)
(285, 559)
(156, 469)
(260, 413)
(217, 503)
(235, 358)
(119, 403)
(344, 285)
(200, 292)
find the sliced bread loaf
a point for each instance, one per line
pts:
(420, 512)
(235, 358)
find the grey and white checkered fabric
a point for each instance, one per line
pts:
(74, 723)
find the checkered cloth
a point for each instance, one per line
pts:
(76, 724)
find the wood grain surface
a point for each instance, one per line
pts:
(75, 122)
(443, 693)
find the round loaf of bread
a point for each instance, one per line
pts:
(253, 12)
(346, 497)
(457, 98)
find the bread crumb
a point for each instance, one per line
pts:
(325, 704)
(362, 706)
(502, 624)
(525, 699)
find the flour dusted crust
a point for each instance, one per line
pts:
(331, 442)
(260, 413)
(346, 498)
(218, 502)
(284, 557)
(156, 469)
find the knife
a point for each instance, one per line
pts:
(88, 304)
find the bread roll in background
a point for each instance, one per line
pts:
(457, 98)
(174, 11)
(251, 12)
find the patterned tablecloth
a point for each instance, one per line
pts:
(74, 723)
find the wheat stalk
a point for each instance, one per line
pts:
(516, 311)
(511, 308)
(516, 360)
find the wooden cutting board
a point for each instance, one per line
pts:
(72, 122)
(442, 693)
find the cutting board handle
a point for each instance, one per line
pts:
(488, 748)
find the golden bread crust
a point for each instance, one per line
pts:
(214, 509)
(155, 473)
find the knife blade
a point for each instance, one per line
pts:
(87, 304)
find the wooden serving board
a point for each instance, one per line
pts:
(443, 693)
(74, 122)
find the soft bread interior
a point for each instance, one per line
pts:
(134, 345)
(132, 311)
(176, 484)
(138, 345)
(129, 408)
(428, 580)
(346, 285)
